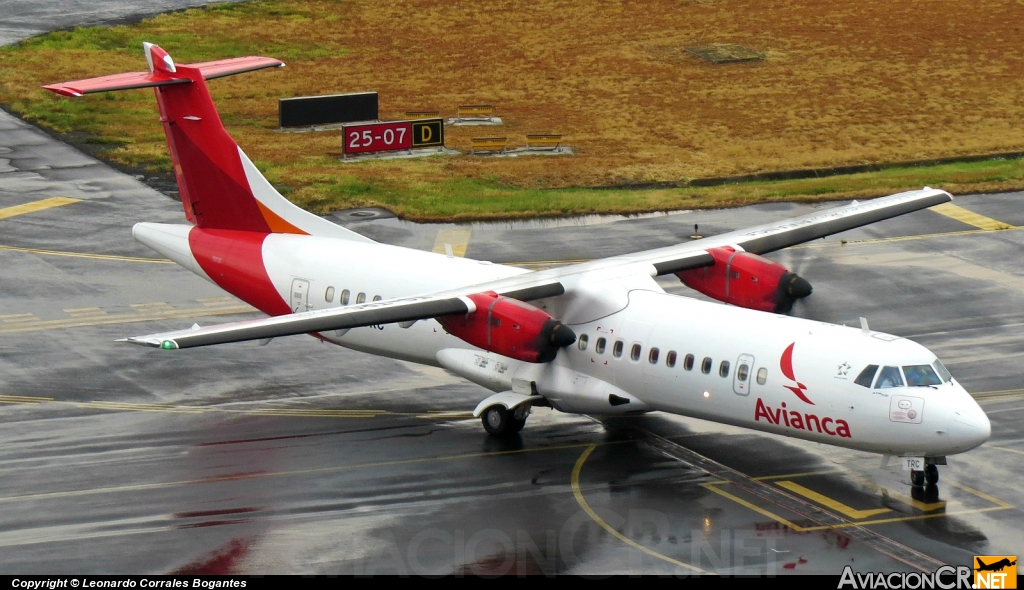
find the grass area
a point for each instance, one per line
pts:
(844, 82)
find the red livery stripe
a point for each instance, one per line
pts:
(234, 260)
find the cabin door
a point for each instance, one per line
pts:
(300, 295)
(744, 374)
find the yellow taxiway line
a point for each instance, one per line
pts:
(86, 255)
(970, 217)
(998, 505)
(829, 502)
(458, 239)
(143, 315)
(36, 206)
(575, 481)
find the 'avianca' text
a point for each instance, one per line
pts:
(794, 419)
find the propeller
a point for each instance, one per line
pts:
(791, 298)
(792, 288)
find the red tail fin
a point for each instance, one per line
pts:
(220, 187)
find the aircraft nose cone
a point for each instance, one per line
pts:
(797, 287)
(970, 427)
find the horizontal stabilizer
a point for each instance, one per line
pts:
(130, 80)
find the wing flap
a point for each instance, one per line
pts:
(775, 236)
(845, 218)
(343, 318)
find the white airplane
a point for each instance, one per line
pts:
(599, 337)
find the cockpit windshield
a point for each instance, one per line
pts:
(916, 376)
(889, 377)
(920, 375)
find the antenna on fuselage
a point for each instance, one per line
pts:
(864, 325)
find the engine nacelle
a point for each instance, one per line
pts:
(747, 280)
(511, 328)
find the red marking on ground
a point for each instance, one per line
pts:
(220, 562)
(205, 513)
(200, 525)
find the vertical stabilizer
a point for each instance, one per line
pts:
(221, 189)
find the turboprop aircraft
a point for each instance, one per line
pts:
(599, 337)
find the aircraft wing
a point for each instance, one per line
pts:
(552, 282)
(405, 309)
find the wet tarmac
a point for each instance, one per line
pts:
(301, 457)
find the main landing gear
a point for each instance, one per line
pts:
(499, 421)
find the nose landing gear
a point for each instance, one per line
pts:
(930, 475)
(923, 482)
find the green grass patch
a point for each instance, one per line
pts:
(633, 110)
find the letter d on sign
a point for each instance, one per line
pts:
(426, 134)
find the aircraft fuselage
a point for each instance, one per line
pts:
(768, 372)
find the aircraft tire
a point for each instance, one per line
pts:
(931, 474)
(916, 478)
(515, 425)
(497, 421)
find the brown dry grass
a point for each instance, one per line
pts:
(844, 82)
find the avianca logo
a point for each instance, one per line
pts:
(794, 419)
(786, 363)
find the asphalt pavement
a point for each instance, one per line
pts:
(302, 457)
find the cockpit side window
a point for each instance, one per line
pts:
(866, 376)
(920, 375)
(889, 377)
(941, 370)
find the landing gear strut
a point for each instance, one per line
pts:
(499, 421)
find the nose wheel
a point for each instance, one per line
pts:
(931, 473)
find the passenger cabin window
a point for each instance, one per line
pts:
(688, 362)
(583, 341)
(360, 298)
(617, 349)
(653, 356)
(634, 353)
(723, 369)
(599, 347)
(329, 295)
(705, 365)
(344, 297)
(920, 376)
(743, 372)
(377, 297)
(762, 376)
(941, 370)
(670, 359)
(866, 376)
(889, 377)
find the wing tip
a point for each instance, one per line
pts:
(165, 344)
